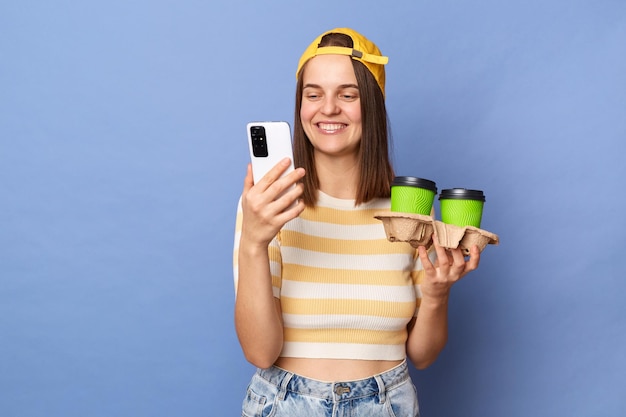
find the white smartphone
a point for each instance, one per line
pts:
(269, 143)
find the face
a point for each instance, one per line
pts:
(331, 106)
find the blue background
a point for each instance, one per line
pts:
(122, 156)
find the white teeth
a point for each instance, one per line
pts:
(330, 127)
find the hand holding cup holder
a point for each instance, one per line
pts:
(418, 229)
(409, 220)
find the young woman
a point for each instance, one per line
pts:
(326, 307)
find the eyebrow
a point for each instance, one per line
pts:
(341, 86)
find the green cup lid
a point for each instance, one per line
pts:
(415, 182)
(461, 194)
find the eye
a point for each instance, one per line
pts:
(311, 94)
(349, 96)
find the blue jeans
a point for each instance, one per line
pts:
(274, 392)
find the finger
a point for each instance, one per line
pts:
(289, 179)
(288, 199)
(275, 173)
(474, 259)
(296, 175)
(423, 255)
(248, 182)
(288, 213)
(442, 255)
(283, 184)
(458, 259)
(294, 210)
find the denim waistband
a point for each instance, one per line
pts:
(335, 391)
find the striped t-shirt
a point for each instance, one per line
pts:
(346, 292)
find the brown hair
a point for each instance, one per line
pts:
(376, 171)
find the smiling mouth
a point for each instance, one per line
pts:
(331, 127)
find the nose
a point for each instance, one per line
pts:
(330, 105)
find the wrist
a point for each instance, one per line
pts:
(252, 248)
(435, 300)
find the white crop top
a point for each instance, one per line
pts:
(346, 292)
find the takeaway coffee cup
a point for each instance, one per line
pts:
(461, 207)
(412, 195)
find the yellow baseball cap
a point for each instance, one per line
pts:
(363, 51)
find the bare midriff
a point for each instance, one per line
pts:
(332, 370)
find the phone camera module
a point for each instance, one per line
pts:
(259, 144)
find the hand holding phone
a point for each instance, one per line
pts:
(269, 143)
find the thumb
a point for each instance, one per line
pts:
(248, 182)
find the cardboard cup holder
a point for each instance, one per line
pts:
(418, 229)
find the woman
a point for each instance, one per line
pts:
(326, 307)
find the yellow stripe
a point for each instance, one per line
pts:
(276, 281)
(273, 252)
(301, 273)
(238, 221)
(368, 337)
(347, 307)
(418, 276)
(344, 247)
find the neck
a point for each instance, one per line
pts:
(338, 177)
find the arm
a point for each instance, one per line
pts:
(428, 333)
(258, 319)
